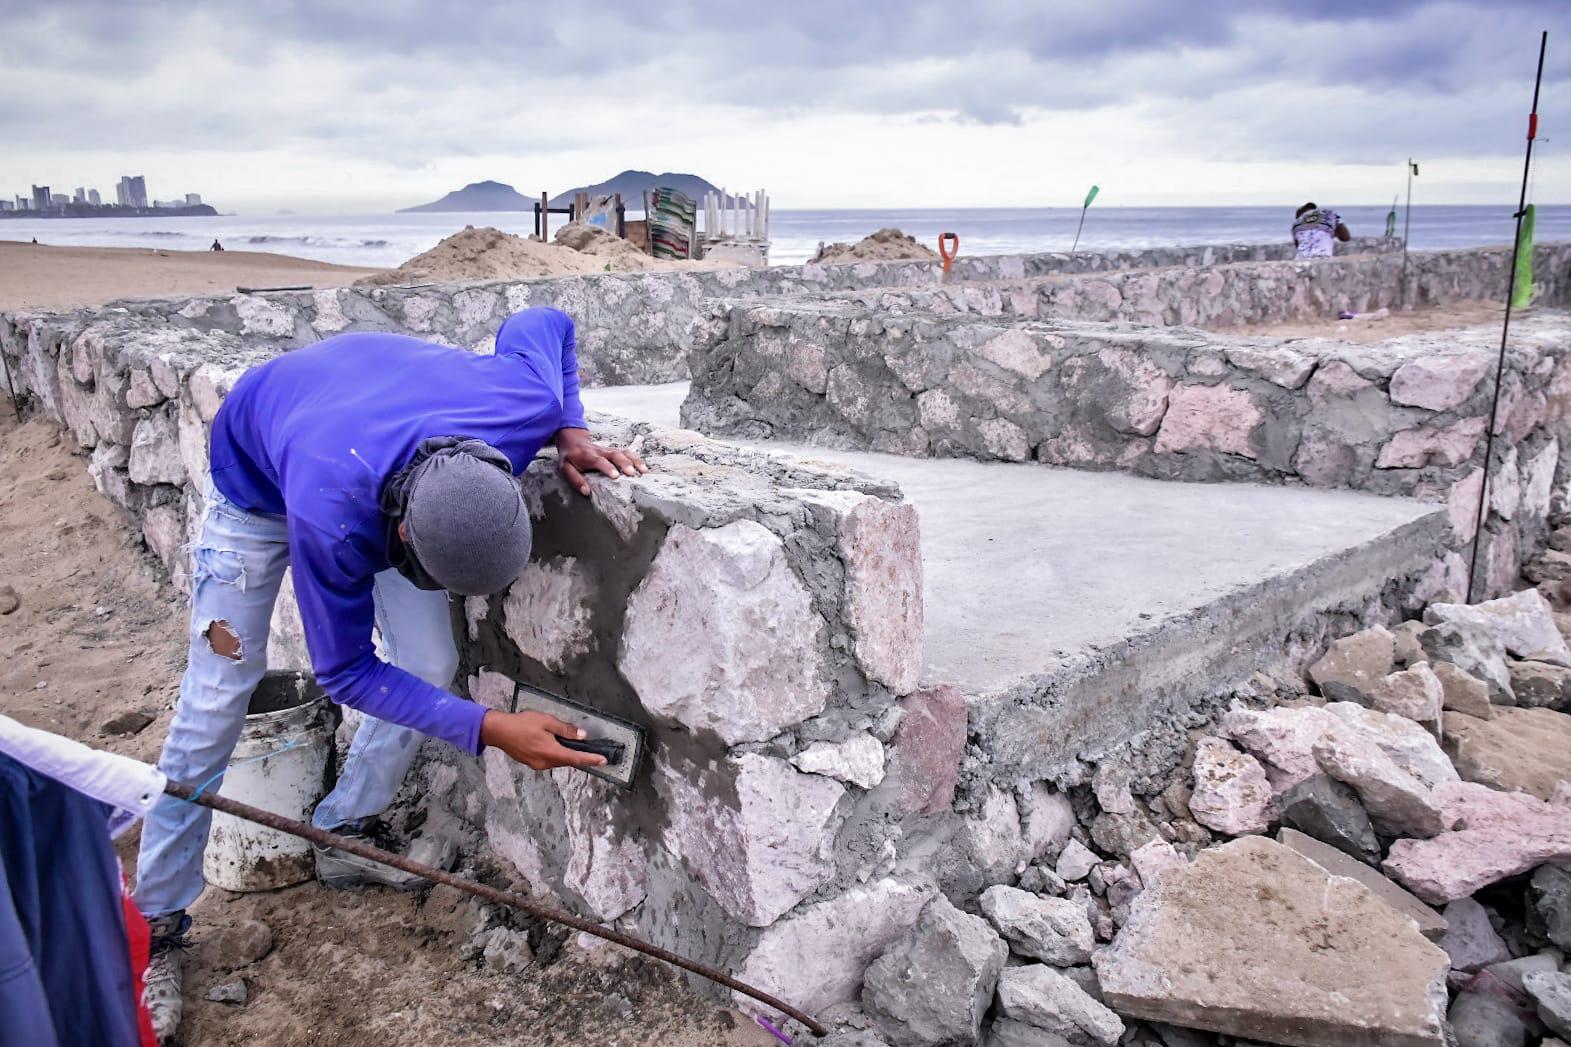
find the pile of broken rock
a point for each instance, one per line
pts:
(1417, 889)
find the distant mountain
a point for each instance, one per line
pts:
(477, 196)
(633, 184)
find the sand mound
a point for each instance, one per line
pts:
(886, 245)
(490, 254)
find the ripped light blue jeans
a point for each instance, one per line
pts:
(237, 567)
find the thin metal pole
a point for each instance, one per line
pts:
(1079, 227)
(1505, 328)
(1407, 221)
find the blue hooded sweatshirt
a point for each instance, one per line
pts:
(314, 434)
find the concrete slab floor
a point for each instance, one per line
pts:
(1026, 565)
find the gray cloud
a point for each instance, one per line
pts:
(389, 80)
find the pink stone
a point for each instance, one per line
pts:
(754, 831)
(1439, 382)
(1048, 818)
(1397, 802)
(1521, 413)
(721, 635)
(1410, 746)
(521, 852)
(924, 756)
(155, 451)
(1416, 448)
(816, 957)
(1505, 486)
(1004, 440)
(1470, 939)
(1415, 693)
(1140, 410)
(1152, 859)
(1504, 562)
(1336, 380)
(1231, 793)
(1209, 417)
(164, 529)
(492, 690)
(547, 612)
(1462, 506)
(1279, 366)
(1283, 739)
(880, 543)
(608, 871)
(1524, 622)
(1016, 351)
(1324, 462)
(1538, 480)
(1497, 835)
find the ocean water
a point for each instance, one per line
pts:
(389, 239)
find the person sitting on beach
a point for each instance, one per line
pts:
(381, 469)
(1313, 229)
(216, 245)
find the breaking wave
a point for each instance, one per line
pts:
(314, 241)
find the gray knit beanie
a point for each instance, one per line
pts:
(467, 523)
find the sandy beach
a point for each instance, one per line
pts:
(40, 276)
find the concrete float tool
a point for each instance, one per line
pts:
(620, 741)
(323, 838)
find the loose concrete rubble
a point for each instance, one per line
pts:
(1076, 853)
(1053, 930)
(934, 985)
(1044, 999)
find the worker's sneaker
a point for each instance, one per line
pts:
(165, 971)
(341, 870)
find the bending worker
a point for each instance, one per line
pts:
(382, 468)
(1313, 230)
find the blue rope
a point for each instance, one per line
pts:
(293, 743)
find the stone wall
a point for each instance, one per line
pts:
(633, 328)
(1402, 418)
(1236, 292)
(763, 618)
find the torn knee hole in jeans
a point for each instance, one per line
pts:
(223, 641)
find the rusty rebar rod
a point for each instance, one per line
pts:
(323, 838)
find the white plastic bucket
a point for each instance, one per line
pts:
(290, 722)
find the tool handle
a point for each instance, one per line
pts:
(613, 751)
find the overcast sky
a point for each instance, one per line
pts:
(330, 105)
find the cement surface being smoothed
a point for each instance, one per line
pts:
(1026, 565)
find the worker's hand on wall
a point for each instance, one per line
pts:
(580, 455)
(531, 739)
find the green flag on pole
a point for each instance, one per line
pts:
(1522, 286)
(1083, 208)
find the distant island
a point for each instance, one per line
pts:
(499, 196)
(633, 184)
(477, 196)
(115, 211)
